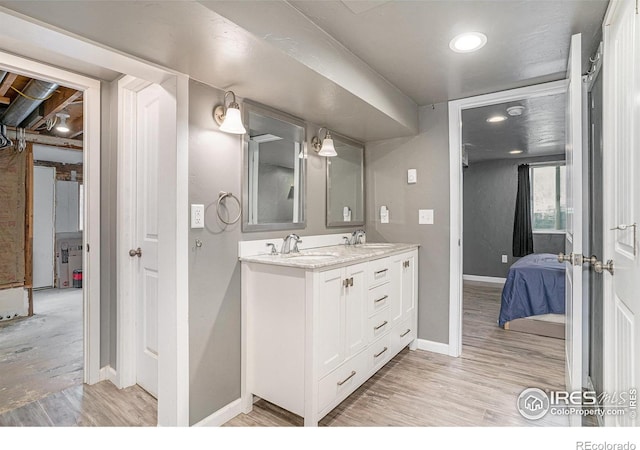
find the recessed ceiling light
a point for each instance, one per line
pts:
(515, 152)
(498, 118)
(468, 42)
(515, 110)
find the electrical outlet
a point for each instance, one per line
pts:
(505, 259)
(412, 176)
(197, 216)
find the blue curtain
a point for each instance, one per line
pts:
(522, 229)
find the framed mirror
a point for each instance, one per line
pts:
(274, 167)
(345, 184)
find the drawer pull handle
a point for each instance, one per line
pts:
(381, 325)
(378, 354)
(380, 271)
(406, 332)
(353, 372)
(381, 299)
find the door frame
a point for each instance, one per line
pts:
(91, 163)
(43, 42)
(173, 303)
(455, 193)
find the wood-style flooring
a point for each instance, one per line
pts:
(416, 388)
(420, 388)
(41, 372)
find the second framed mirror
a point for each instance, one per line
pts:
(345, 184)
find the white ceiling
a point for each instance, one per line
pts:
(358, 67)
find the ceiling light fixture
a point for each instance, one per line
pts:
(498, 118)
(228, 116)
(515, 152)
(62, 127)
(325, 146)
(515, 110)
(468, 42)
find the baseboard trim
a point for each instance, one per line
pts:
(222, 416)
(109, 373)
(431, 346)
(495, 280)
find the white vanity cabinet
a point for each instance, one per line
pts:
(312, 335)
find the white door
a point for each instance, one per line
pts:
(331, 320)
(622, 206)
(44, 179)
(355, 304)
(573, 244)
(150, 136)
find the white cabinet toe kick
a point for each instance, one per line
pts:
(310, 338)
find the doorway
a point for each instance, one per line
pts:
(54, 341)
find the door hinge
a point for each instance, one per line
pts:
(87, 248)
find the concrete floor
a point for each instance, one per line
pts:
(42, 354)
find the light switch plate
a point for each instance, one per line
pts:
(505, 259)
(412, 176)
(197, 216)
(425, 216)
(384, 214)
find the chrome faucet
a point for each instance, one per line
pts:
(357, 236)
(286, 244)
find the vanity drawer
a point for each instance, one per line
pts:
(402, 335)
(379, 298)
(379, 325)
(379, 272)
(342, 381)
(379, 353)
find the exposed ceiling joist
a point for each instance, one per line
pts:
(5, 100)
(58, 101)
(6, 84)
(65, 142)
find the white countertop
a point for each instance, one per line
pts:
(334, 255)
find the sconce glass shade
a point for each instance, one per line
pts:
(232, 122)
(327, 148)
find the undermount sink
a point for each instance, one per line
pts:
(375, 245)
(313, 256)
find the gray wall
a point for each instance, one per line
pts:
(386, 184)
(489, 204)
(214, 271)
(108, 342)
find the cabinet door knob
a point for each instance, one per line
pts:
(137, 252)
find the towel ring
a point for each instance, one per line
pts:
(221, 196)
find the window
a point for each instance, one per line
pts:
(548, 203)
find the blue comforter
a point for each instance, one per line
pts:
(535, 285)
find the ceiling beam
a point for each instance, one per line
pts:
(76, 127)
(5, 100)
(6, 84)
(73, 144)
(62, 98)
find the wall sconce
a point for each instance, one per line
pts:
(228, 116)
(324, 147)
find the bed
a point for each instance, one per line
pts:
(533, 296)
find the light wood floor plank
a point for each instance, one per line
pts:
(427, 389)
